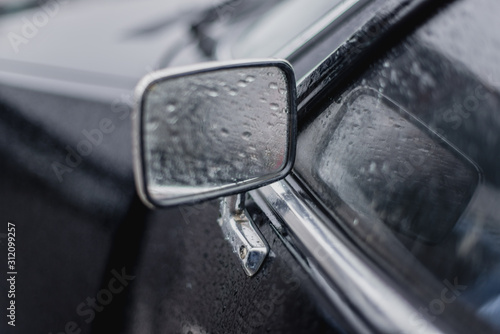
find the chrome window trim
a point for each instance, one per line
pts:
(337, 269)
(364, 295)
(329, 21)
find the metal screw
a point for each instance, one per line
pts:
(243, 252)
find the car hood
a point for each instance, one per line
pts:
(105, 43)
(66, 69)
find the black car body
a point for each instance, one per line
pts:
(386, 229)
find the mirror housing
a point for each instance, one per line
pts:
(213, 130)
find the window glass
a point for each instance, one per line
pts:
(407, 159)
(390, 167)
(280, 26)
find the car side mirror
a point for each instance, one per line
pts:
(213, 130)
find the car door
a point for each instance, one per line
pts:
(336, 264)
(355, 236)
(390, 205)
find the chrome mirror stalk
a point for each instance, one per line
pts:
(238, 228)
(213, 130)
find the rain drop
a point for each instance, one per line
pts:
(224, 132)
(273, 85)
(242, 83)
(172, 120)
(246, 135)
(170, 107)
(233, 92)
(213, 93)
(274, 106)
(153, 124)
(250, 78)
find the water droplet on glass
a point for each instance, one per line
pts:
(282, 91)
(242, 83)
(250, 78)
(263, 99)
(170, 107)
(224, 132)
(274, 106)
(246, 135)
(273, 85)
(213, 93)
(172, 120)
(153, 124)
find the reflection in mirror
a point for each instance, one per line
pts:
(211, 130)
(386, 165)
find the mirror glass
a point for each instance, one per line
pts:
(216, 130)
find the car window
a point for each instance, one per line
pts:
(279, 26)
(406, 159)
(389, 166)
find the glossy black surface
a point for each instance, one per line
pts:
(79, 224)
(434, 75)
(75, 235)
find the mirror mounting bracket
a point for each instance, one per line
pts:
(238, 228)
